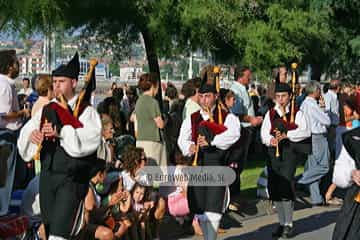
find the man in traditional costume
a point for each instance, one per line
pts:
(347, 174)
(208, 133)
(68, 152)
(283, 139)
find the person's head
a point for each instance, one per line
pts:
(347, 89)
(44, 86)
(326, 87)
(180, 159)
(227, 97)
(282, 94)
(148, 83)
(313, 89)
(191, 89)
(207, 99)
(98, 172)
(116, 186)
(9, 64)
(133, 159)
(242, 75)
(138, 193)
(113, 86)
(65, 78)
(280, 74)
(335, 85)
(65, 86)
(26, 83)
(171, 92)
(107, 127)
(349, 107)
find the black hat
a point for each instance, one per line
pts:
(282, 87)
(70, 70)
(208, 80)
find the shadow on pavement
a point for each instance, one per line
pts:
(304, 225)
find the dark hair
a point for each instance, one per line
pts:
(147, 80)
(26, 79)
(224, 94)
(180, 158)
(171, 92)
(98, 166)
(326, 87)
(7, 59)
(139, 185)
(239, 71)
(131, 158)
(189, 87)
(113, 186)
(334, 84)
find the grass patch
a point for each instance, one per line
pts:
(251, 174)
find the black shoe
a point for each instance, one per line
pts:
(278, 232)
(288, 232)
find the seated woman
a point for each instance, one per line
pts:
(134, 161)
(95, 216)
(141, 210)
(120, 210)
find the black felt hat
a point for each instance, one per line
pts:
(282, 87)
(70, 70)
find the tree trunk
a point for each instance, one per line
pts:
(152, 60)
(315, 72)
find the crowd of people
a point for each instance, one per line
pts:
(84, 163)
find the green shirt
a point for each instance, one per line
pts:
(146, 110)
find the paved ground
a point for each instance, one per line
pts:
(311, 224)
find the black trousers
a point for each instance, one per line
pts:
(60, 197)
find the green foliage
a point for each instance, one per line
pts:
(258, 33)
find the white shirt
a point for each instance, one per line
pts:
(190, 107)
(8, 103)
(300, 133)
(27, 92)
(318, 119)
(222, 141)
(79, 142)
(129, 182)
(344, 165)
(332, 106)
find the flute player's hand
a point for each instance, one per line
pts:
(192, 149)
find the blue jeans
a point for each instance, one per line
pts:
(316, 167)
(8, 137)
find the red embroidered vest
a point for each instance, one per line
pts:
(274, 116)
(196, 120)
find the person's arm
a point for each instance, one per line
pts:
(230, 135)
(344, 165)
(126, 204)
(83, 141)
(15, 115)
(265, 130)
(302, 131)
(89, 203)
(27, 148)
(156, 114)
(184, 141)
